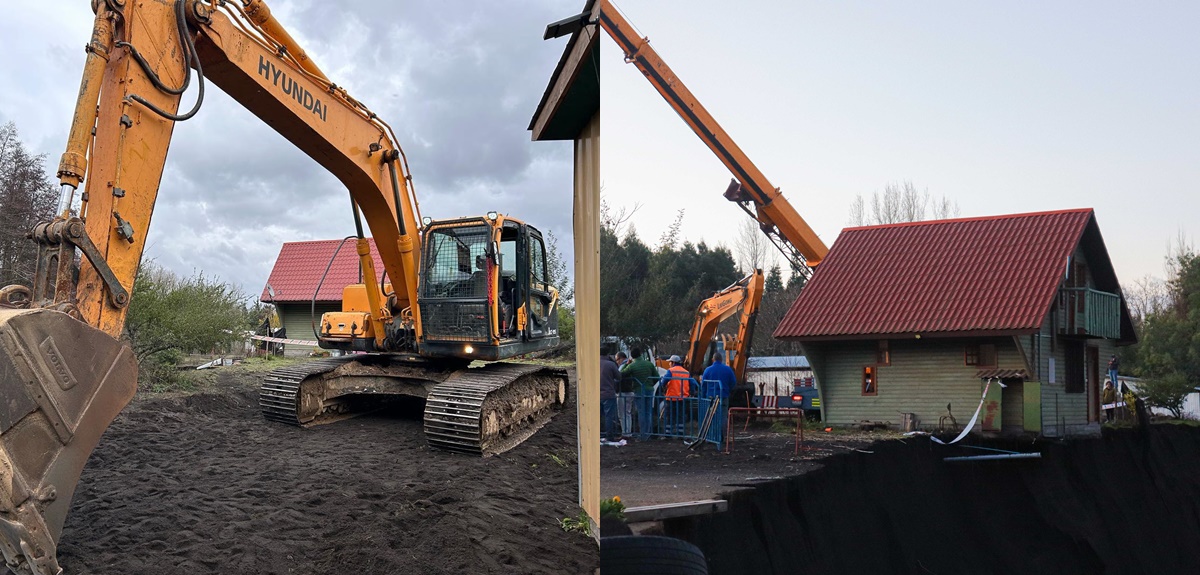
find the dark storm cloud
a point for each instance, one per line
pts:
(458, 81)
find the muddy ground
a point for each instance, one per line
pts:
(200, 483)
(666, 471)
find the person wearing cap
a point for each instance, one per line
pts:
(678, 386)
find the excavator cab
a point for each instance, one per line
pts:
(485, 291)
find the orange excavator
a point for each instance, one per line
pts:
(454, 291)
(749, 189)
(742, 299)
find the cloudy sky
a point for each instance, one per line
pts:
(1002, 107)
(458, 81)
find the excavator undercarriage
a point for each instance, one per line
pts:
(480, 411)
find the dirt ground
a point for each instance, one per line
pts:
(666, 471)
(200, 483)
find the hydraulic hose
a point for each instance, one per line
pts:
(189, 54)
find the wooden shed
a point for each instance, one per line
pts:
(916, 317)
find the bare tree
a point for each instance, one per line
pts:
(900, 203)
(751, 247)
(614, 219)
(27, 197)
(1148, 295)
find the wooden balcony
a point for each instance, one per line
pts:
(1088, 312)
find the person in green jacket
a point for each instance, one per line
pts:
(643, 375)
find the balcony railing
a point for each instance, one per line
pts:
(1089, 312)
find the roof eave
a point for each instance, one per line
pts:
(559, 88)
(911, 335)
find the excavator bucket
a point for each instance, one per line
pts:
(61, 383)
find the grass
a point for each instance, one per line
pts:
(162, 377)
(581, 523)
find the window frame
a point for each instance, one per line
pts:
(537, 250)
(870, 373)
(883, 353)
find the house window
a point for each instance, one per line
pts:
(870, 383)
(882, 355)
(982, 355)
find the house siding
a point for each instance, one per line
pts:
(1062, 413)
(924, 375)
(297, 321)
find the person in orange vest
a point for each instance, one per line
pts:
(678, 384)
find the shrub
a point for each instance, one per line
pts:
(1167, 392)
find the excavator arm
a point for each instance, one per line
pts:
(750, 189)
(64, 375)
(130, 87)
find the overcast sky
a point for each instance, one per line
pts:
(458, 81)
(1002, 107)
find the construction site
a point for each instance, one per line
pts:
(909, 389)
(404, 397)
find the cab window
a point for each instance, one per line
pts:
(537, 264)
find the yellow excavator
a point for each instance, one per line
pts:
(454, 291)
(742, 299)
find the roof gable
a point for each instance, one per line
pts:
(990, 275)
(299, 267)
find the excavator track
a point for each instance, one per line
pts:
(279, 395)
(478, 411)
(490, 409)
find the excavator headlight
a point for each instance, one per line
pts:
(425, 221)
(492, 216)
(468, 349)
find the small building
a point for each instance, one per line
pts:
(294, 281)
(919, 318)
(778, 375)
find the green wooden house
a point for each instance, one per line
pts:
(916, 317)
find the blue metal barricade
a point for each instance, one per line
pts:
(657, 415)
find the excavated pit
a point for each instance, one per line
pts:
(1127, 502)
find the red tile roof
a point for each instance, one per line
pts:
(299, 267)
(949, 277)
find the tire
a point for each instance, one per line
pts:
(642, 555)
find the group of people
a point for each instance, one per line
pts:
(630, 384)
(1110, 396)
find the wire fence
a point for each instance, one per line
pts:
(693, 411)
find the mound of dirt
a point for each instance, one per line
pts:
(201, 483)
(1124, 503)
